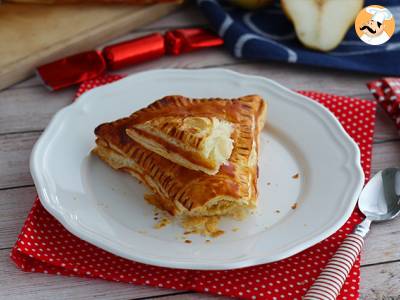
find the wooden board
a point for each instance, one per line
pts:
(31, 35)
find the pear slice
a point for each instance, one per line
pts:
(321, 24)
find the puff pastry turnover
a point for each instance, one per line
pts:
(197, 143)
(199, 197)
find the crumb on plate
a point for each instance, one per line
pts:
(296, 176)
(217, 233)
(207, 226)
(162, 223)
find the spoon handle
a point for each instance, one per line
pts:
(330, 281)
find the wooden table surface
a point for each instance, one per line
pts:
(26, 108)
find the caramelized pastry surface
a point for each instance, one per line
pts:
(177, 189)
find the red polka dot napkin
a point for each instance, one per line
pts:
(44, 245)
(387, 93)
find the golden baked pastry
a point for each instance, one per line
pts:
(197, 143)
(182, 191)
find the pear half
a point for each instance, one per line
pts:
(321, 24)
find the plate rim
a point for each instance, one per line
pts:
(84, 234)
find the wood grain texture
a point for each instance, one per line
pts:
(26, 108)
(31, 107)
(194, 296)
(37, 34)
(384, 128)
(186, 16)
(14, 152)
(380, 246)
(15, 205)
(385, 155)
(380, 282)
(16, 284)
(16, 148)
(382, 243)
(377, 282)
(14, 159)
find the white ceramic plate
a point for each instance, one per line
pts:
(106, 208)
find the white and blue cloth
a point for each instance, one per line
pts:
(267, 34)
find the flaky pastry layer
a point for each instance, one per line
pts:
(197, 143)
(177, 189)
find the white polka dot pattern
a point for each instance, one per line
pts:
(44, 245)
(387, 92)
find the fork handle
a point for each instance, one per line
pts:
(330, 281)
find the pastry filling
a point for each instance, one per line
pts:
(197, 158)
(218, 145)
(197, 143)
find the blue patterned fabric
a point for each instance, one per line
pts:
(267, 34)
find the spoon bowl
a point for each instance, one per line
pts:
(380, 199)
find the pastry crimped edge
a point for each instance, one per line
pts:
(170, 145)
(232, 191)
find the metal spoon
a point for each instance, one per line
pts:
(379, 201)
